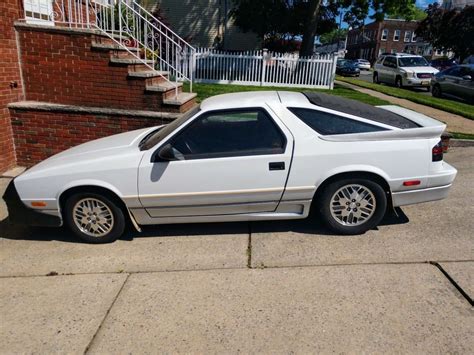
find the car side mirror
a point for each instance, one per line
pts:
(467, 77)
(166, 153)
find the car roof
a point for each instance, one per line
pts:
(296, 99)
(252, 99)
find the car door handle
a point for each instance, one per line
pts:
(279, 165)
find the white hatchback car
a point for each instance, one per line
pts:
(404, 70)
(242, 157)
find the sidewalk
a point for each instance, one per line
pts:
(455, 122)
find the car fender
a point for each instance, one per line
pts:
(351, 169)
(89, 182)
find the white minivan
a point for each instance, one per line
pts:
(404, 70)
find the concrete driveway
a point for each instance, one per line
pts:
(280, 287)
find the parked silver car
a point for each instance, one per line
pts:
(457, 82)
(404, 70)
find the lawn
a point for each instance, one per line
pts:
(459, 108)
(206, 90)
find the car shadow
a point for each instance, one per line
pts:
(310, 226)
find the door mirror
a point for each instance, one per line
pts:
(467, 77)
(166, 153)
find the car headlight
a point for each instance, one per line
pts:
(408, 74)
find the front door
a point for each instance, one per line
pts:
(228, 162)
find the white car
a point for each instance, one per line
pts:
(242, 157)
(404, 70)
(363, 64)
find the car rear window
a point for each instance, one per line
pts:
(329, 124)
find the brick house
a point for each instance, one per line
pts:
(388, 36)
(63, 83)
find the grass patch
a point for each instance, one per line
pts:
(458, 135)
(206, 90)
(455, 107)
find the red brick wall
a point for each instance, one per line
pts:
(40, 134)
(62, 68)
(9, 74)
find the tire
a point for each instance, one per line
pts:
(376, 78)
(428, 89)
(399, 82)
(436, 92)
(105, 228)
(332, 206)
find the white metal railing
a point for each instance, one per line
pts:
(264, 68)
(128, 24)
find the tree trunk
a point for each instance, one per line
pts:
(309, 34)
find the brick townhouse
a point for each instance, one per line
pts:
(388, 36)
(63, 83)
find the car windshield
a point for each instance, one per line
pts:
(150, 140)
(412, 62)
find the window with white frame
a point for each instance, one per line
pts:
(407, 37)
(413, 37)
(396, 35)
(384, 35)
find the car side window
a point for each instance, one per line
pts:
(330, 124)
(390, 62)
(230, 133)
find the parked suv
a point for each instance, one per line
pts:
(404, 70)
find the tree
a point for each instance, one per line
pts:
(309, 18)
(336, 35)
(449, 30)
(413, 13)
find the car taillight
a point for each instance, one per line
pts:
(437, 152)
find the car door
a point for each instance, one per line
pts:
(463, 86)
(387, 70)
(224, 162)
(450, 77)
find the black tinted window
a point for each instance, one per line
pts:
(230, 133)
(327, 123)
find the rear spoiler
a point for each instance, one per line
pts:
(429, 128)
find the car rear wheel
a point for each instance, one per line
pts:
(436, 91)
(94, 218)
(376, 78)
(353, 206)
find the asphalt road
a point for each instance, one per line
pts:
(366, 75)
(279, 287)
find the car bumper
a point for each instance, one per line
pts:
(417, 82)
(18, 213)
(418, 196)
(437, 189)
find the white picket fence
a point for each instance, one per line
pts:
(263, 68)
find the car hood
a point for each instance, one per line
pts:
(99, 148)
(420, 70)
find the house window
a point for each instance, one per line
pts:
(408, 36)
(384, 35)
(396, 35)
(393, 51)
(413, 37)
(39, 11)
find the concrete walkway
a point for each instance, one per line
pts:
(267, 287)
(455, 122)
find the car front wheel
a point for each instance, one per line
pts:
(94, 218)
(353, 206)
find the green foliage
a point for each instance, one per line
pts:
(449, 30)
(455, 107)
(338, 34)
(412, 13)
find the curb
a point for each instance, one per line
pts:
(461, 143)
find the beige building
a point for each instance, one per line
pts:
(204, 23)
